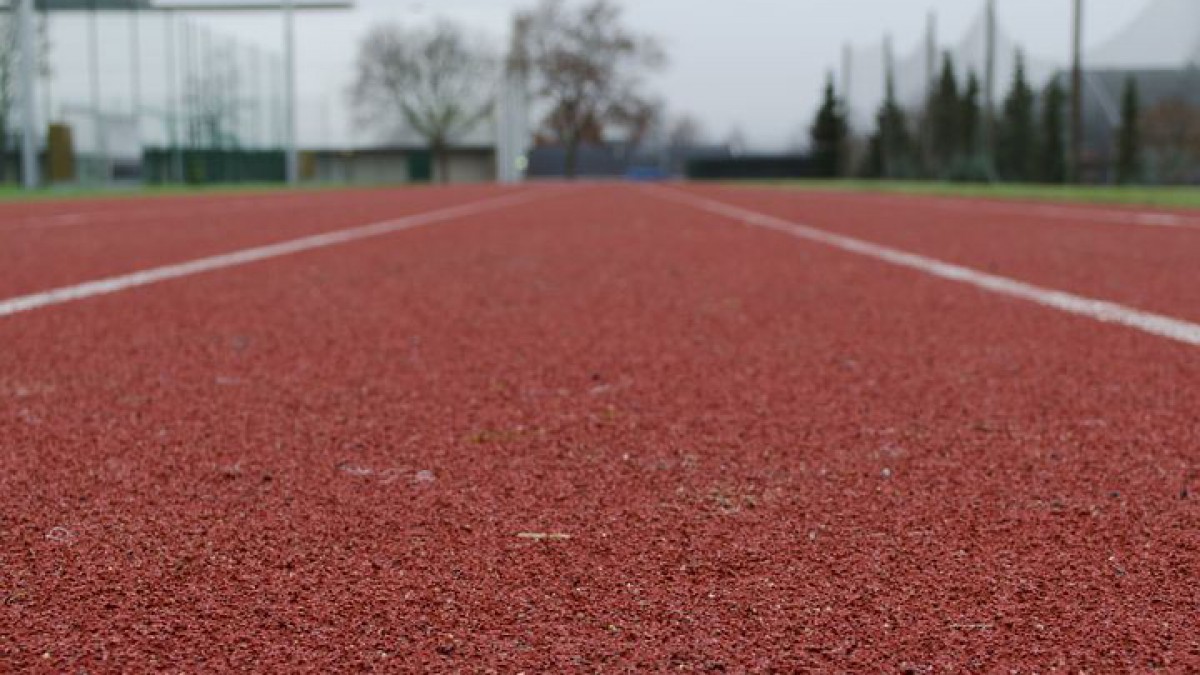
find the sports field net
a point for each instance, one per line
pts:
(1159, 50)
(1164, 37)
(131, 83)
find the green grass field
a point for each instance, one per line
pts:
(1163, 197)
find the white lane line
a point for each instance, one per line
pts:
(1080, 214)
(155, 275)
(1100, 310)
(145, 212)
(1077, 215)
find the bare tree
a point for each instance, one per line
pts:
(212, 101)
(640, 122)
(436, 83)
(736, 140)
(1172, 134)
(586, 66)
(685, 131)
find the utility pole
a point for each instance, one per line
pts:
(135, 67)
(175, 160)
(292, 159)
(1077, 95)
(30, 171)
(885, 131)
(989, 85)
(931, 77)
(931, 55)
(847, 73)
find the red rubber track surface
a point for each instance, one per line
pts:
(1147, 266)
(44, 245)
(768, 456)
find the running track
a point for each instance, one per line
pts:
(598, 428)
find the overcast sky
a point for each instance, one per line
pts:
(755, 65)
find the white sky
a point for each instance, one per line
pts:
(756, 65)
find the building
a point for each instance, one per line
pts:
(616, 160)
(392, 164)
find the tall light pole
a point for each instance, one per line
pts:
(1077, 95)
(292, 158)
(931, 77)
(989, 86)
(30, 172)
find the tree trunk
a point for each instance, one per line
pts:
(3, 150)
(4, 134)
(441, 158)
(572, 158)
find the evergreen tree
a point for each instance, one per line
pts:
(872, 165)
(895, 139)
(1129, 137)
(970, 116)
(1052, 149)
(829, 131)
(944, 115)
(1015, 137)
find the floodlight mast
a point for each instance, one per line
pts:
(292, 155)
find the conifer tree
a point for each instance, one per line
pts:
(1129, 138)
(1016, 137)
(970, 117)
(895, 139)
(1052, 149)
(828, 133)
(944, 116)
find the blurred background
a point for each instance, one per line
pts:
(148, 92)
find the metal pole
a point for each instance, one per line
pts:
(186, 92)
(1077, 95)
(931, 74)
(256, 97)
(847, 76)
(135, 69)
(29, 160)
(94, 76)
(47, 73)
(989, 85)
(503, 114)
(289, 85)
(885, 140)
(176, 158)
(205, 88)
(931, 78)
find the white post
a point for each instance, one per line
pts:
(135, 68)
(1077, 94)
(931, 56)
(505, 161)
(847, 74)
(101, 162)
(292, 159)
(30, 171)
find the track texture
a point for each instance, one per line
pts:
(1108, 253)
(599, 432)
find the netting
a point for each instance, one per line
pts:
(1158, 51)
(125, 82)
